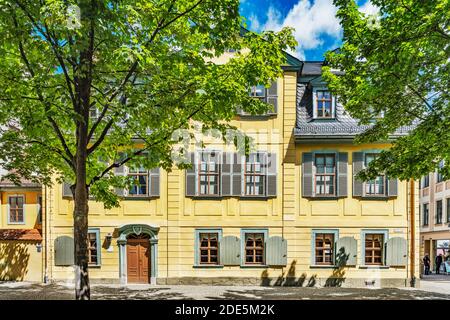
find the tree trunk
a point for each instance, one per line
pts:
(80, 227)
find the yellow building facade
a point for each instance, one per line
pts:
(21, 254)
(290, 213)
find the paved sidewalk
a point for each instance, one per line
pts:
(430, 290)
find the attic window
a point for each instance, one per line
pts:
(323, 102)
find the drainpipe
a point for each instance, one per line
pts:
(44, 212)
(413, 234)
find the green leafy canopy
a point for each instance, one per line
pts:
(397, 65)
(144, 65)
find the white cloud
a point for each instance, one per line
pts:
(311, 22)
(369, 8)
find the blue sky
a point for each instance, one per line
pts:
(316, 27)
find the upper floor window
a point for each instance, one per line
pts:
(140, 186)
(377, 185)
(448, 209)
(323, 104)
(426, 181)
(268, 95)
(426, 214)
(440, 176)
(258, 91)
(39, 217)
(439, 212)
(208, 173)
(16, 212)
(325, 174)
(254, 174)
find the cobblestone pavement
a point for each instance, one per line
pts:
(429, 290)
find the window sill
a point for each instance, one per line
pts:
(205, 266)
(257, 266)
(257, 116)
(16, 223)
(318, 266)
(379, 198)
(325, 197)
(95, 266)
(207, 197)
(255, 197)
(373, 267)
(139, 198)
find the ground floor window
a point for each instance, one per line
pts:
(93, 247)
(254, 248)
(207, 247)
(374, 243)
(324, 248)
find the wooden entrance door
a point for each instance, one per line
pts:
(138, 253)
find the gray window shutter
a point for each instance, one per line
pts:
(271, 174)
(272, 97)
(276, 252)
(307, 174)
(226, 173)
(396, 252)
(342, 174)
(237, 175)
(154, 178)
(392, 187)
(358, 163)
(64, 251)
(191, 176)
(66, 192)
(346, 251)
(230, 251)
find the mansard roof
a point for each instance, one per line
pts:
(341, 127)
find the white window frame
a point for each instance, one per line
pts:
(264, 154)
(333, 103)
(197, 172)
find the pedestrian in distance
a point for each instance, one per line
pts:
(426, 263)
(438, 262)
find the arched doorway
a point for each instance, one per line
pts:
(138, 252)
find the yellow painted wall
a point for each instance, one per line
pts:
(20, 261)
(30, 209)
(288, 215)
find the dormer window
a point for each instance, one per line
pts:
(323, 102)
(267, 95)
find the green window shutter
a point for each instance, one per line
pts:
(346, 251)
(64, 251)
(392, 188)
(276, 251)
(307, 174)
(226, 173)
(154, 179)
(342, 174)
(191, 176)
(358, 164)
(396, 252)
(272, 97)
(271, 165)
(237, 175)
(230, 251)
(66, 192)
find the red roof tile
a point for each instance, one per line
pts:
(21, 234)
